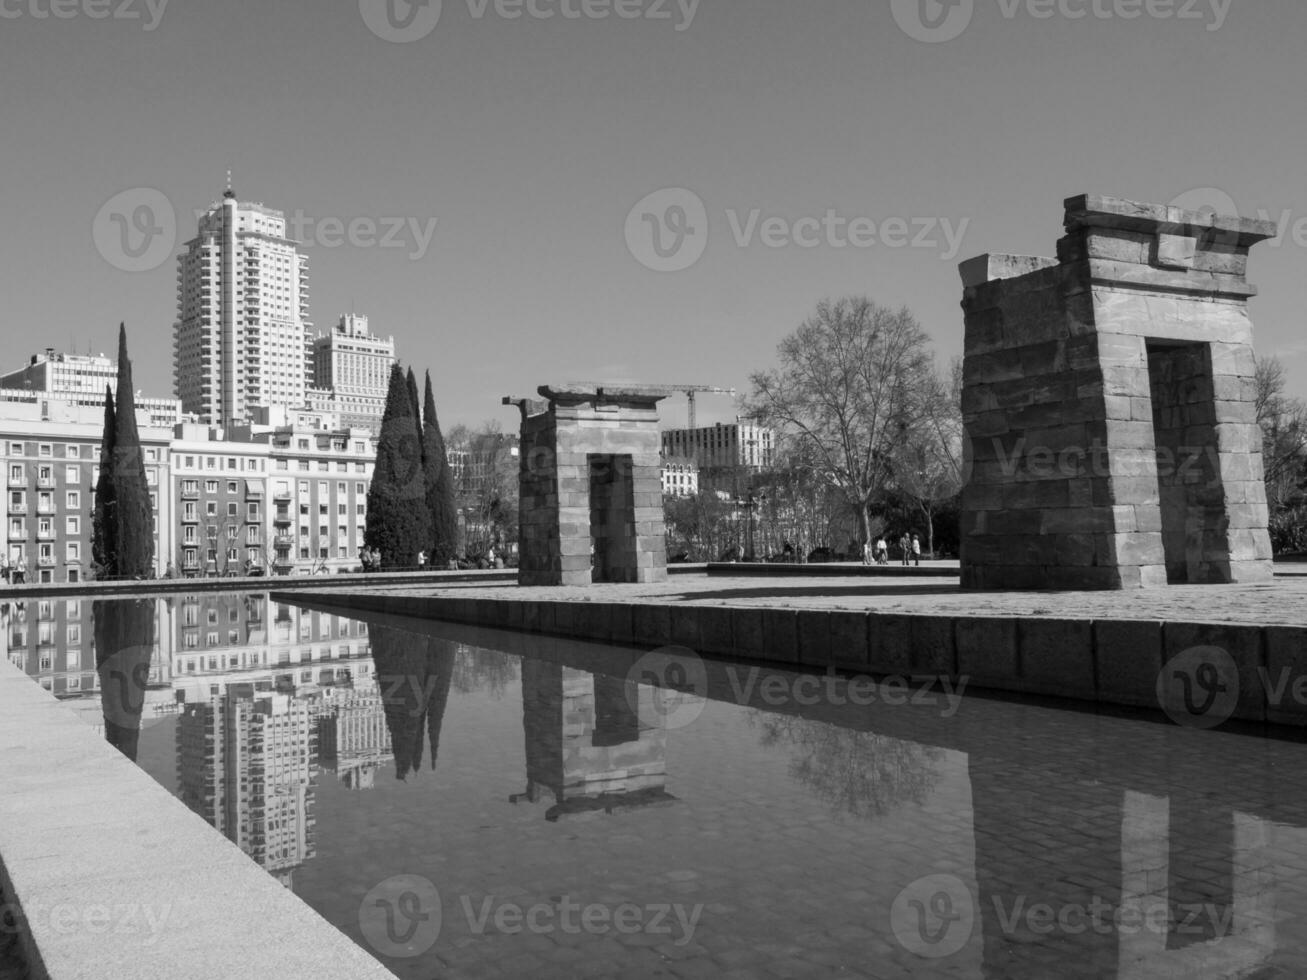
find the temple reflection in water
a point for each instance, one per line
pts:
(592, 742)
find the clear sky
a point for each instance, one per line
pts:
(530, 141)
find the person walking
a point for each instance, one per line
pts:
(916, 550)
(867, 551)
(4, 569)
(20, 571)
(905, 547)
(882, 551)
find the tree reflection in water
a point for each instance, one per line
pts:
(415, 673)
(861, 774)
(476, 669)
(124, 648)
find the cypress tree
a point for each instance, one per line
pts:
(133, 513)
(439, 485)
(413, 396)
(398, 524)
(103, 548)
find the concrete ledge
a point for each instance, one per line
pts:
(1114, 662)
(115, 877)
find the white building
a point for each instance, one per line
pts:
(242, 330)
(351, 373)
(726, 455)
(680, 477)
(79, 380)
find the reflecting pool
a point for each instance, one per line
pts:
(466, 802)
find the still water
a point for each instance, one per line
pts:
(465, 802)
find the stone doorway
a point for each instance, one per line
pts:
(1191, 495)
(612, 517)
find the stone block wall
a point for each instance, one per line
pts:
(591, 488)
(1108, 400)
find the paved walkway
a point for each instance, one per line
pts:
(1280, 603)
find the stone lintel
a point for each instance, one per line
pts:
(1100, 211)
(992, 267)
(634, 396)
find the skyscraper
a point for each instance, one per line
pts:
(242, 330)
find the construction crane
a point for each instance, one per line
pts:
(690, 391)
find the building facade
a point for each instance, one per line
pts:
(727, 455)
(78, 381)
(680, 477)
(242, 329)
(351, 373)
(51, 469)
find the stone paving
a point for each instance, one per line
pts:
(1282, 602)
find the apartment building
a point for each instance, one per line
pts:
(242, 331)
(80, 380)
(351, 373)
(726, 454)
(51, 468)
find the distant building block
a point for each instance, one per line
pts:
(591, 487)
(1109, 406)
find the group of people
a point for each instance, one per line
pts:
(15, 574)
(877, 552)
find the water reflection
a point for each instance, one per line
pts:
(860, 774)
(415, 673)
(124, 651)
(1076, 845)
(590, 742)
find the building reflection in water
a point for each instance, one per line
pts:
(587, 746)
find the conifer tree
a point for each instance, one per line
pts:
(398, 524)
(439, 485)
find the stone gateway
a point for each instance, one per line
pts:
(1109, 403)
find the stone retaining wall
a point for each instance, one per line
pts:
(1115, 662)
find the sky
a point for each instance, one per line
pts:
(504, 172)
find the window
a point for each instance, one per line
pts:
(74, 500)
(342, 509)
(46, 449)
(16, 449)
(188, 534)
(45, 502)
(233, 509)
(324, 488)
(252, 512)
(231, 486)
(73, 475)
(210, 486)
(17, 527)
(189, 511)
(16, 474)
(73, 525)
(360, 488)
(74, 552)
(74, 634)
(211, 508)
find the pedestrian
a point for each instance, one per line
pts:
(882, 551)
(867, 552)
(20, 571)
(4, 569)
(905, 547)
(916, 550)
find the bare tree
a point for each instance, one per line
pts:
(928, 466)
(849, 389)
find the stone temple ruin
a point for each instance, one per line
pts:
(591, 487)
(1109, 406)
